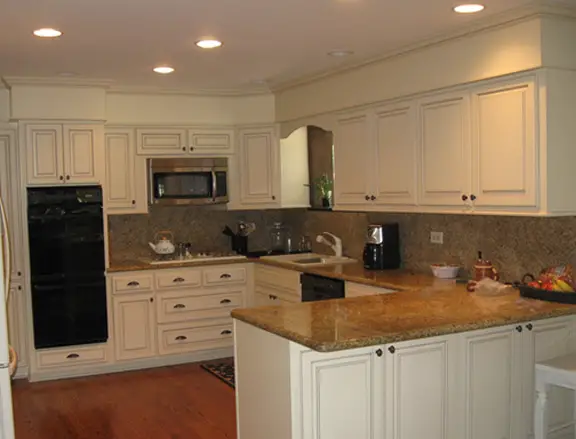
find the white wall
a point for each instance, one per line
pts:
(559, 39)
(175, 109)
(4, 105)
(294, 168)
(493, 52)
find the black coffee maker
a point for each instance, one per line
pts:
(382, 248)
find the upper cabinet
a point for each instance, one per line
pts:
(183, 142)
(125, 183)
(63, 154)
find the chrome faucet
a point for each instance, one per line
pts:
(336, 247)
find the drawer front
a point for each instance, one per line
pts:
(224, 275)
(181, 338)
(276, 296)
(278, 277)
(133, 283)
(71, 357)
(175, 307)
(170, 279)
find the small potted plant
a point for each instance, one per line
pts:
(324, 187)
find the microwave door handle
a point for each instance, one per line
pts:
(150, 184)
(214, 186)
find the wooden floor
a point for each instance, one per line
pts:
(179, 402)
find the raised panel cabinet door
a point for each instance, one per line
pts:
(543, 340)
(17, 323)
(492, 383)
(417, 390)
(211, 141)
(134, 324)
(504, 146)
(259, 168)
(444, 152)
(342, 394)
(353, 157)
(44, 154)
(396, 134)
(81, 159)
(161, 141)
(120, 188)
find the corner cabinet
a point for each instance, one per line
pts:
(259, 167)
(64, 154)
(125, 187)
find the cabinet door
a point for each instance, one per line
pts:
(395, 164)
(504, 146)
(44, 155)
(445, 165)
(543, 340)
(81, 153)
(342, 394)
(134, 324)
(259, 168)
(211, 141)
(492, 383)
(417, 390)
(125, 188)
(17, 323)
(161, 141)
(353, 158)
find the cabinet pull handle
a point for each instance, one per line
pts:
(133, 283)
(225, 276)
(61, 177)
(133, 202)
(226, 332)
(273, 297)
(273, 197)
(72, 356)
(67, 177)
(151, 299)
(179, 306)
(224, 301)
(178, 280)
(464, 197)
(367, 197)
(529, 327)
(379, 352)
(373, 198)
(519, 328)
(191, 148)
(391, 349)
(472, 197)
(183, 148)
(19, 288)
(19, 273)
(181, 338)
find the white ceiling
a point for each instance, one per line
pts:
(270, 40)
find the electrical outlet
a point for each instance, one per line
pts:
(437, 237)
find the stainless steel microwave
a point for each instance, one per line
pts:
(188, 181)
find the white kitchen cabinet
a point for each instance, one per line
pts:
(444, 153)
(134, 326)
(492, 384)
(259, 167)
(125, 184)
(504, 145)
(342, 394)
(352, 166)
(394, 166)
(63, 154)
(210, 141)
(162, 141)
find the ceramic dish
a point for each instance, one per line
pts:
(445, 271)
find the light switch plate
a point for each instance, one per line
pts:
(437, 237)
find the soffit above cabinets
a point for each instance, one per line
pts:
(265, 43)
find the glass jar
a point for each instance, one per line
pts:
(277, 238)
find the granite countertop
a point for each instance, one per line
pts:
(334, 325)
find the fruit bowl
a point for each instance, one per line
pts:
(548, 296)
(445, 271)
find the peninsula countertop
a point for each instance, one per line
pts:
(442, 308)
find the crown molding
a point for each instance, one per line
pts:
(537, 8)
(151, 90)
(11, 81)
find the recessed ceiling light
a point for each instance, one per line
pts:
(164, 70)
(47, 32)
(468, 8)
(340, 53)
(208, 44)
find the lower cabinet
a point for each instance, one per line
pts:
(134, 322)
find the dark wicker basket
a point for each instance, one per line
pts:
(548, 296)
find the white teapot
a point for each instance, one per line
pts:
(163, 244)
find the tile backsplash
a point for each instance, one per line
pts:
(516, 245)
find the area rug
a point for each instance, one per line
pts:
(222, 369)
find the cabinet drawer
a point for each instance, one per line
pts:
(278, 277)
(277, 296)
(184, 337)
(170, 279)
(71, 357)
(178, 307)
(132, 283)
(224, 275)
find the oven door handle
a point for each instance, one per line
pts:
(214, 185)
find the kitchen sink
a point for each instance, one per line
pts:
(308, 259)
